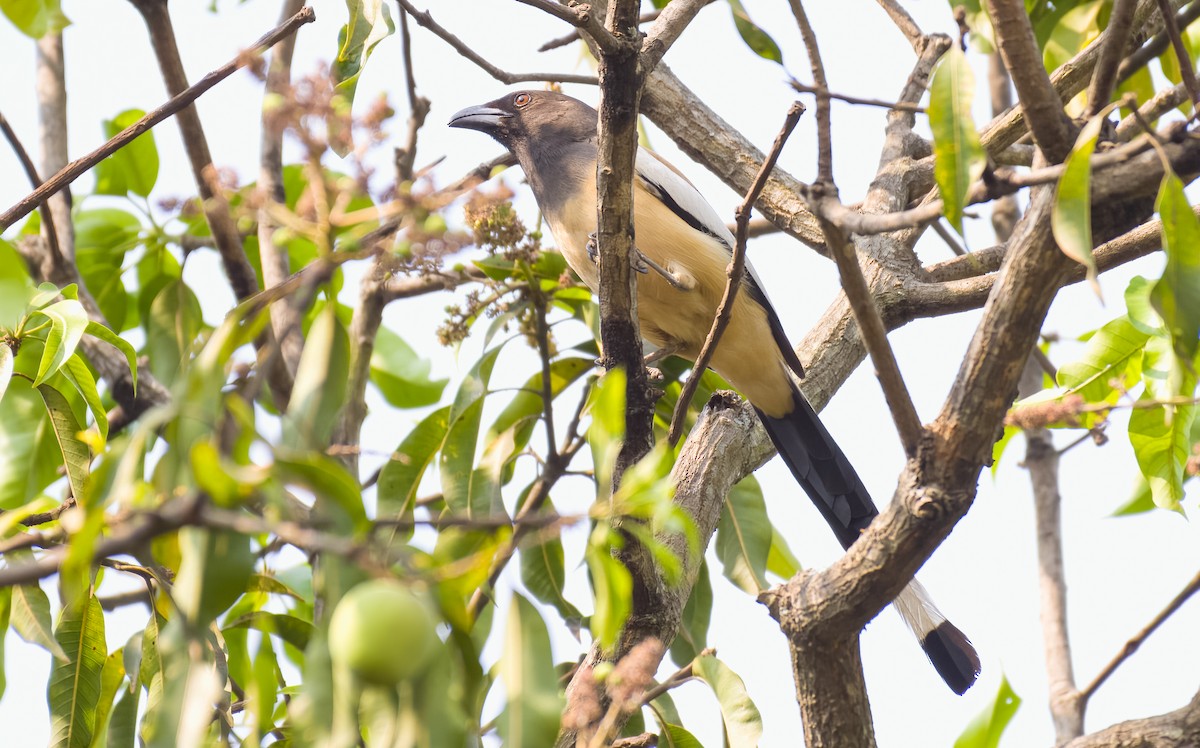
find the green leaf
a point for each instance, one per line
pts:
(102, 238)
(1071, 219)
(1141, 501)
(400, 373)
(369, 23)
(291, 629)
(743, 723)
(985, 730)
(31, 453)
(75, 454)
(215, 568)
(122, 725)
(469, 489)
(134, 168)
(111, 677)
(532, 714)
(1176, 295)
(781, 561)
(674, 736)
(756, 39)
(543, 573)
(172, 326)
(744, 537)
(78, 374)
(1162, 436)
(613, 587)
(5, 612)
(1112, 353)
(320, 386)
(74, 687)
(30, 618)
(958, 156)
(401, 475)
(100, 332)
(68, 321)
(35, 18)
(6, 367)
(692, 636)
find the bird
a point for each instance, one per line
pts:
(683, 249)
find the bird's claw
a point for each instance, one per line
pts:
(593, 253)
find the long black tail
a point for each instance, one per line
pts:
(821, 468)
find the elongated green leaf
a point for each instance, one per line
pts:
(31, 618)
(100, 332)
(401, 476)
(320, 386)
(985, 730)
(35, 18)
(264, 689)
(958, 156)
(1071, 220)
(1161, 435)
(756, 39)
(122, 725)
(111, 677)
(743, 723)
(400, 373)
(693, 625)
(27, 443)
(74, 688)
(214, 571)
(75, 454)
(78, 374)
(291, 629)
(68, 321)
(613, 588)
(781, 561)
(544, 574)
(369, 22)
(1177, 295)
(134, 168)
(103, 236)
(744, 537)
(467, 489)
(532, 714)
(674, 736)
(5, 614)
(6, 367)
(1112, 353)
(172, 325)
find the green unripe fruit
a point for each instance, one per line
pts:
(382, 632)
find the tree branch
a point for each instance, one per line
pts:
(73, 170)
(735, 272)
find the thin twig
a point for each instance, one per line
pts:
(677, 678)
(426, 20)
(1132, 645)
(899, 105)
(821, 83)
(905, 23)
(948, 238)
(1104, 77)
(73, 170)
(566, 39)
(1157, 44)
(1186, 69)
(874, 335)
(31, 173)
(735, 272)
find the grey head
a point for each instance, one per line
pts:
(531, 120)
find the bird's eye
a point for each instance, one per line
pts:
(522, 99)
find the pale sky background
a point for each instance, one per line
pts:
(1122, 571)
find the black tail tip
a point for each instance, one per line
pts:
(952, 656)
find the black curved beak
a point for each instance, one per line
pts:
(484, 117)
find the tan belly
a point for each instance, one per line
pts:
(747, 355)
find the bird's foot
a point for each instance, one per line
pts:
(593, 252)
